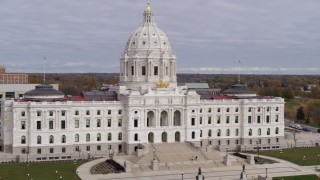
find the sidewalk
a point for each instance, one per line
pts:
(283, 168)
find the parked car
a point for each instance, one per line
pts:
(306, 129)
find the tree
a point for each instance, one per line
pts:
(287, 93)
(300, 113)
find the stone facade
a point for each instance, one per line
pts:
(145, 112)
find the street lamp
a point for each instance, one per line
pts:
(318, 161)
(182, 175)
(56, 174)
(258, 150)
(304, 160)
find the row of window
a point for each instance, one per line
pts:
(76, 112)
(63, 138)
(236, 133)
(76, 124)
(250, 109)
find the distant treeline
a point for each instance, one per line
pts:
(286, 86)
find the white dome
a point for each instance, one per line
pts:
(148, 36)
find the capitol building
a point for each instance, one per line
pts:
(146, 107)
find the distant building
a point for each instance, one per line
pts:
(18, 90)
(11, 78)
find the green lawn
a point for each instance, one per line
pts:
(295, 156)
(302, 177)
(40, 171)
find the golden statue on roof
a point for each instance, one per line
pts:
(162, 84)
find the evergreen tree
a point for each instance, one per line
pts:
(300, 113)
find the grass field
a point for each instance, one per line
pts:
(40, 171)
(302, 177)
(296, 156)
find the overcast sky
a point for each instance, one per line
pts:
(207, 36)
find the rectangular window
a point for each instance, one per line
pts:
(109, 112)
(98, 112)
(63, 124)
(109, 122)
(228, 109)
(228, 119)
(98, 148)
(38, 125)
(76, 112)
(143, 70)
(250, 109)
(23, 124)
(50, 124)
(23, 113)
(39, 151)
(76, 123)
(209, 120)
(63, 113)
(88, 148)
(259, 109)
(51, 150)
(77, 148)
(268, 119)
(237, 109)
(218, 120)
(87, 112)
(119, 122)
(200, 120)
(63, 150)
(258, 119)
(236, 120)
(38, 113)
(209, 110)
(119, 112)
(277, 118)
(132, 70)
(155, 70)
(218, 110)
(192, 121)
(87, 123)
(98, 122)
(277, 108)
(249, 119)
(50, 113)
(136, 123)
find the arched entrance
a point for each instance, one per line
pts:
(150, 119)
(151, 137)
(177, 118)
(164, 137)
(164, 118)
(177, 136)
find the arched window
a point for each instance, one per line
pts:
(76, 138)
(228, 132)
(193, 135)
(268, 131)
(277, 130)
(259, 131)
(136, 137)
(120, 136)
(219, 133)
(250, 132)
(38, 139)
(23, 139)
(98, 137)
(109, 137)
(209, 133)
(51, 139)
(237, 132)
(63, 139)
(88, 137)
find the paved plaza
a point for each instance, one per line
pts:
(175, 159)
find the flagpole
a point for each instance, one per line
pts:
(239, 72)
(44, 70)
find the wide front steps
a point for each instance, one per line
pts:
(106, 167)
